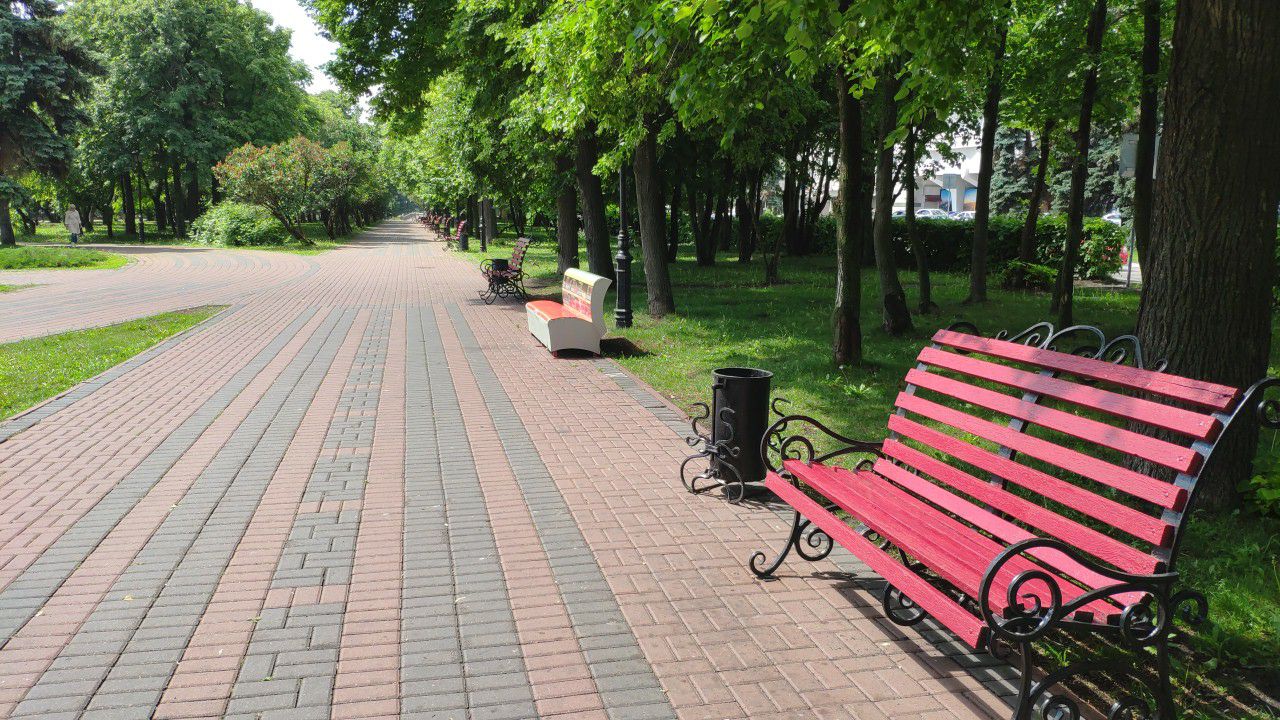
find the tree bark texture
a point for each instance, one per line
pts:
(1148, 111)
(986, 165)
(1206, 307)
(566, 216)
(846, 327)
(896, 317)
(652, 239)
(595, 229)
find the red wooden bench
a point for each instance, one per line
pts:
(1004, 503)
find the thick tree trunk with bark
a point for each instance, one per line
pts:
(1148, 110)
(1065, 289)
(986, 164)
(652, 239)
(566, 216)
(896, 317)
(1206, 306)
(846, 327)
(595, 229)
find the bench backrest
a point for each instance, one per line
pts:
(1046, 440)
(517, 253)
(582, 293)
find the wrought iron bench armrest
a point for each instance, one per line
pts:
(778, 445)
(1142, 623)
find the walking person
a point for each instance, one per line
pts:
(72, 221)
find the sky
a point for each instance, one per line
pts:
(308, 45)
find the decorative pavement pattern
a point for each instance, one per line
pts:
(360, 492)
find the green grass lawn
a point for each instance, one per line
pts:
(37, 369)
(54, 233)
(35, 257)
(726, 317)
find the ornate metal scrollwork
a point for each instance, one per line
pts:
(803, 533)
(1027, 615)
(778, 446)
(712, 450)
(899, 608)
(1121, 350)
(1061, 706)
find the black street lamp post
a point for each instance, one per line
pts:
(622, 261)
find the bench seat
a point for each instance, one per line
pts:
(550, 310)
(958, 552)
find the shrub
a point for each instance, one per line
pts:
(950, 243)
(233, 224)
(1036, 277)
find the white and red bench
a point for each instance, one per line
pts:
(577, 321)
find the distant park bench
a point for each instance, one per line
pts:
(505, 278)
(1006, 503)
(577, 322)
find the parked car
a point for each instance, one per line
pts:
(963, 215)
(931, 213)
(1114, 217)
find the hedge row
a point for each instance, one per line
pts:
(950, 242)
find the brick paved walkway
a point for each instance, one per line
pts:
(360, 492)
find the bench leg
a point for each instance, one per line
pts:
(818, 542)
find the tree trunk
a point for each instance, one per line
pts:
(986, 164)
(673, 225)
(126, 204)
(178, 202)
(192, 198)
(491, 221)
(109, 210)
(652, 239)
(914, 236)
(566, 216)
(1148, 110)
(791, 235)
(1206, 304)
(142, 220)
(1027, 243)
(594, 227)
(847, 340)
(896, 317)
(7, 238)
(746, 221)
(1080, 169)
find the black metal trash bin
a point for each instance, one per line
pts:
(745, 393)
(739, 417)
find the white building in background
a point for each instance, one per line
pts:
(946, 184)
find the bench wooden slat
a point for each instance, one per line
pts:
(1197, 425)
(1206, 394)
(1125, 557)
(956, 552)
(1122, 517)
(942, 608)
(1136, 484)
(1175, 457)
